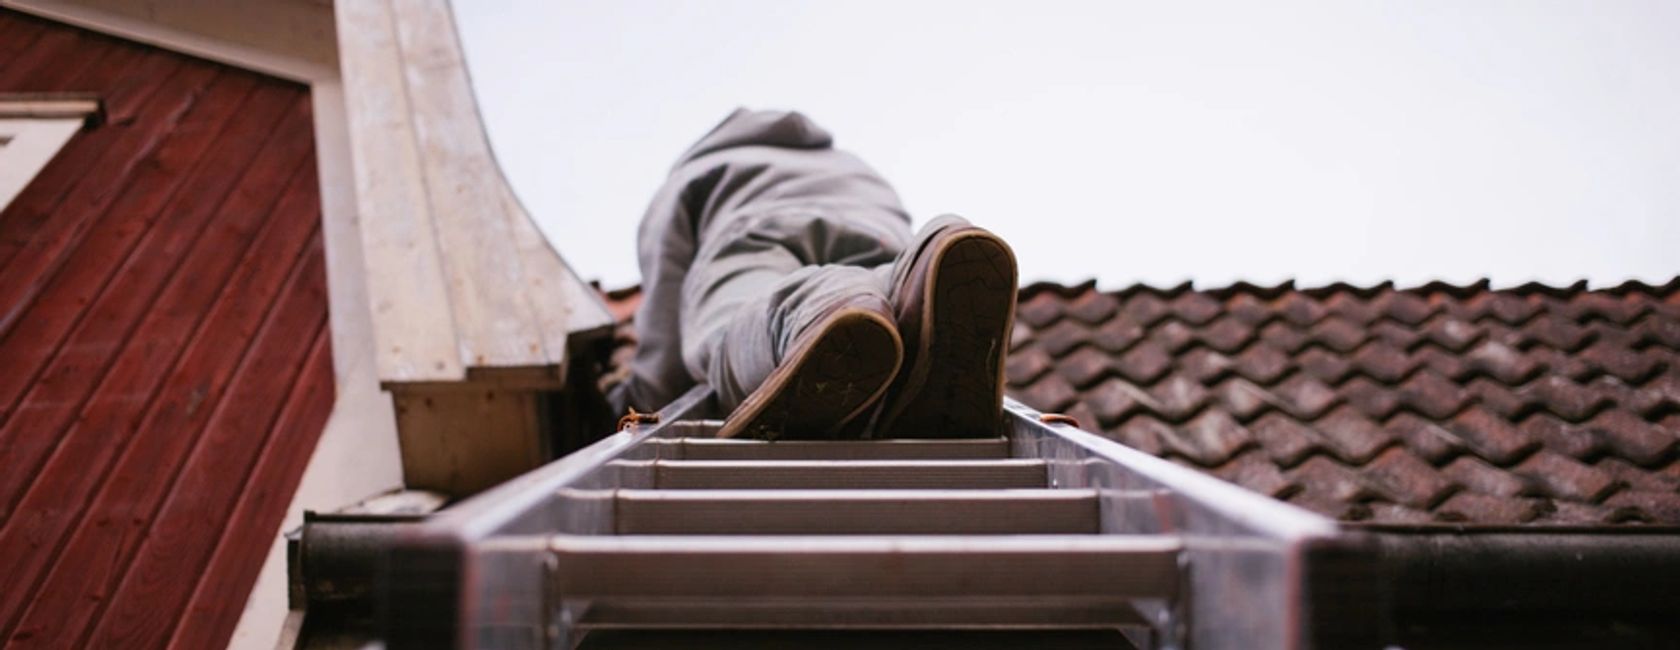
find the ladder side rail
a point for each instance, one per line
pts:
(462, 578)
(1249, 560)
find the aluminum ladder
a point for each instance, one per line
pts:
(662, 533)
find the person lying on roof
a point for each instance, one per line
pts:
(781, 271)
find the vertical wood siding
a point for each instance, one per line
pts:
(164, 361)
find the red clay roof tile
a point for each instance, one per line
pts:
(1532, 406)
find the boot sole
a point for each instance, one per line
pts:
(956, 387)
(825, 385)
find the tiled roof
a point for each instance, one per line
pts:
(1446, 404)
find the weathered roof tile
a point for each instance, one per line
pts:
(1532, 406)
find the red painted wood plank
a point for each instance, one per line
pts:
(207, 621)
(42, 57)
(104, 266)
(149, 245)
(74, 61)
(23, 219)
(96, 195)
(121, 516)
(176, 320)
(16, 35)
(197, 516)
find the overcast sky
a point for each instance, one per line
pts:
(1158, 142)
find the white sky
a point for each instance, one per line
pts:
(1129, 142)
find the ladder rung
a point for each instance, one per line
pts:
(1035, 567)
(856, 512)
(866, 613)
(833, 474)
(714, 449)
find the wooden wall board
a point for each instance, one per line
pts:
(191, 512)
(47, 372)
(55, 183)
(238, 556)
(60, 355)
(460, 442)
(172, 358)
(162, 295)
(96, 193)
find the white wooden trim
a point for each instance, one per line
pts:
(462, 284)
(296, 59)
(47, 106)
(27, 146)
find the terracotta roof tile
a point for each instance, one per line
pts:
(1352, 437)
(1144, 309)
(1642, 479)
(1286, 440)
(1116, 336)
(1227, 334)
(1451, 333)
(1373, 398)
(1040, 310)
(1563, 437)
(1325, 365)
(1204, 365)
(1115, 400)
(1261, 363)
(1085, 366)
(1535, 405)
(1195, 308)
(1241, 398)
(1249, 309)
(1490, 436)
(1339, 334)
(1502, 362)
(1254, 472)
(1427, 438)
(1480, 508)
(1384, 362)
(1432, 395)
(1063, 337)
(1351, 307)
(1652, 506)
(1178, 397)
(1323, 476)
(1447, 363)
(1210, 439)
(1093, 307)
(1566, 478)
(1145, 362)
(1479, 477)
(1026, 365)
(1284, 337)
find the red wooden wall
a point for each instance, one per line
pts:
(164, 360)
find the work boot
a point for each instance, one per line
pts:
(834, 371)
(953, 294)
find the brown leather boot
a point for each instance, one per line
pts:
(953, 293)
(835, 371)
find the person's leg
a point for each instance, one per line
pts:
(808, 359)
(756, 261)
(760, 282)
(953, 292)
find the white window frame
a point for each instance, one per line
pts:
(33, 128)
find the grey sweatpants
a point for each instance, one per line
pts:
(760, 226)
